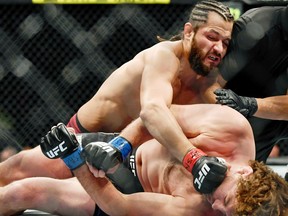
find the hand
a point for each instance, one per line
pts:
(247, 106)
(97, 173)
(208, 172)
(102, 156)
(60, 143)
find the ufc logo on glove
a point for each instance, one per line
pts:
(105, 146)
(55, 151)
(202, 174)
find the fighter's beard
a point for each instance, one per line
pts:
(195, 60)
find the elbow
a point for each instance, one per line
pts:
(148, 110)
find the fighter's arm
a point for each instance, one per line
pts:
(59, 142)
(113, 202)
(161, 70)
(275, 107)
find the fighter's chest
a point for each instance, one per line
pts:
(190, 92)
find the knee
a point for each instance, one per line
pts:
(22, 192)
(14, 192)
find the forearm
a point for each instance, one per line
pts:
(113, 202)
(136, 133)
(102, 191)
(163, 126)
(275, 108)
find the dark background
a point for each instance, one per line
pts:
(53, 58)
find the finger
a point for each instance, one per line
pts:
(62, 131)
(90, 167)
(93, 170)
(48, 139)
(113, 169)
(219, 91)
(71, 130)
(214, 177)
(219, 98)
(218, 168)
(229, 103)
(224, 101)
(54, 133)
(101, 174)
(60, 124)
(221, 160)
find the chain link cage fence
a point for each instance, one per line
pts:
(53, 58)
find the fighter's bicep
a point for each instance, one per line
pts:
(159, 90)
(158, 76)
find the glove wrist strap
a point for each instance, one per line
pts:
(122, 145)
(74, 160)
(191, 158)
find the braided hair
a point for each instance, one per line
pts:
(200, 11)
(199, 15)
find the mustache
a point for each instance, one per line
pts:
(196, 63)
(196, 60)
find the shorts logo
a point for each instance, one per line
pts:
(55, 151)
(132, 164)
(202, 174)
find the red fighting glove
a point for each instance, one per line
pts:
(208, 172)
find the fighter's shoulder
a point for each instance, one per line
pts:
(164, 46)
(164, 50)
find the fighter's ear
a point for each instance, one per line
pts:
(245, 171)
(188, 28)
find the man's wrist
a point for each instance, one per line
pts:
(74, 160)
(123, 145)
(191, 158)
(253, 106)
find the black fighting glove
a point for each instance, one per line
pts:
(60, 143)
(208, 172)
(104, 156)
(247, 106)
(101, 155)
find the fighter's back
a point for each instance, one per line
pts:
(217, 130)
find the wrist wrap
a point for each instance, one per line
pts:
(74, 160)
(122, 145)
(191, 158)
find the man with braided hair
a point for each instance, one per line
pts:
(143, 89)
(164, 84)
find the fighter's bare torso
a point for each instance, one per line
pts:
(118, 99)
(215, 134)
